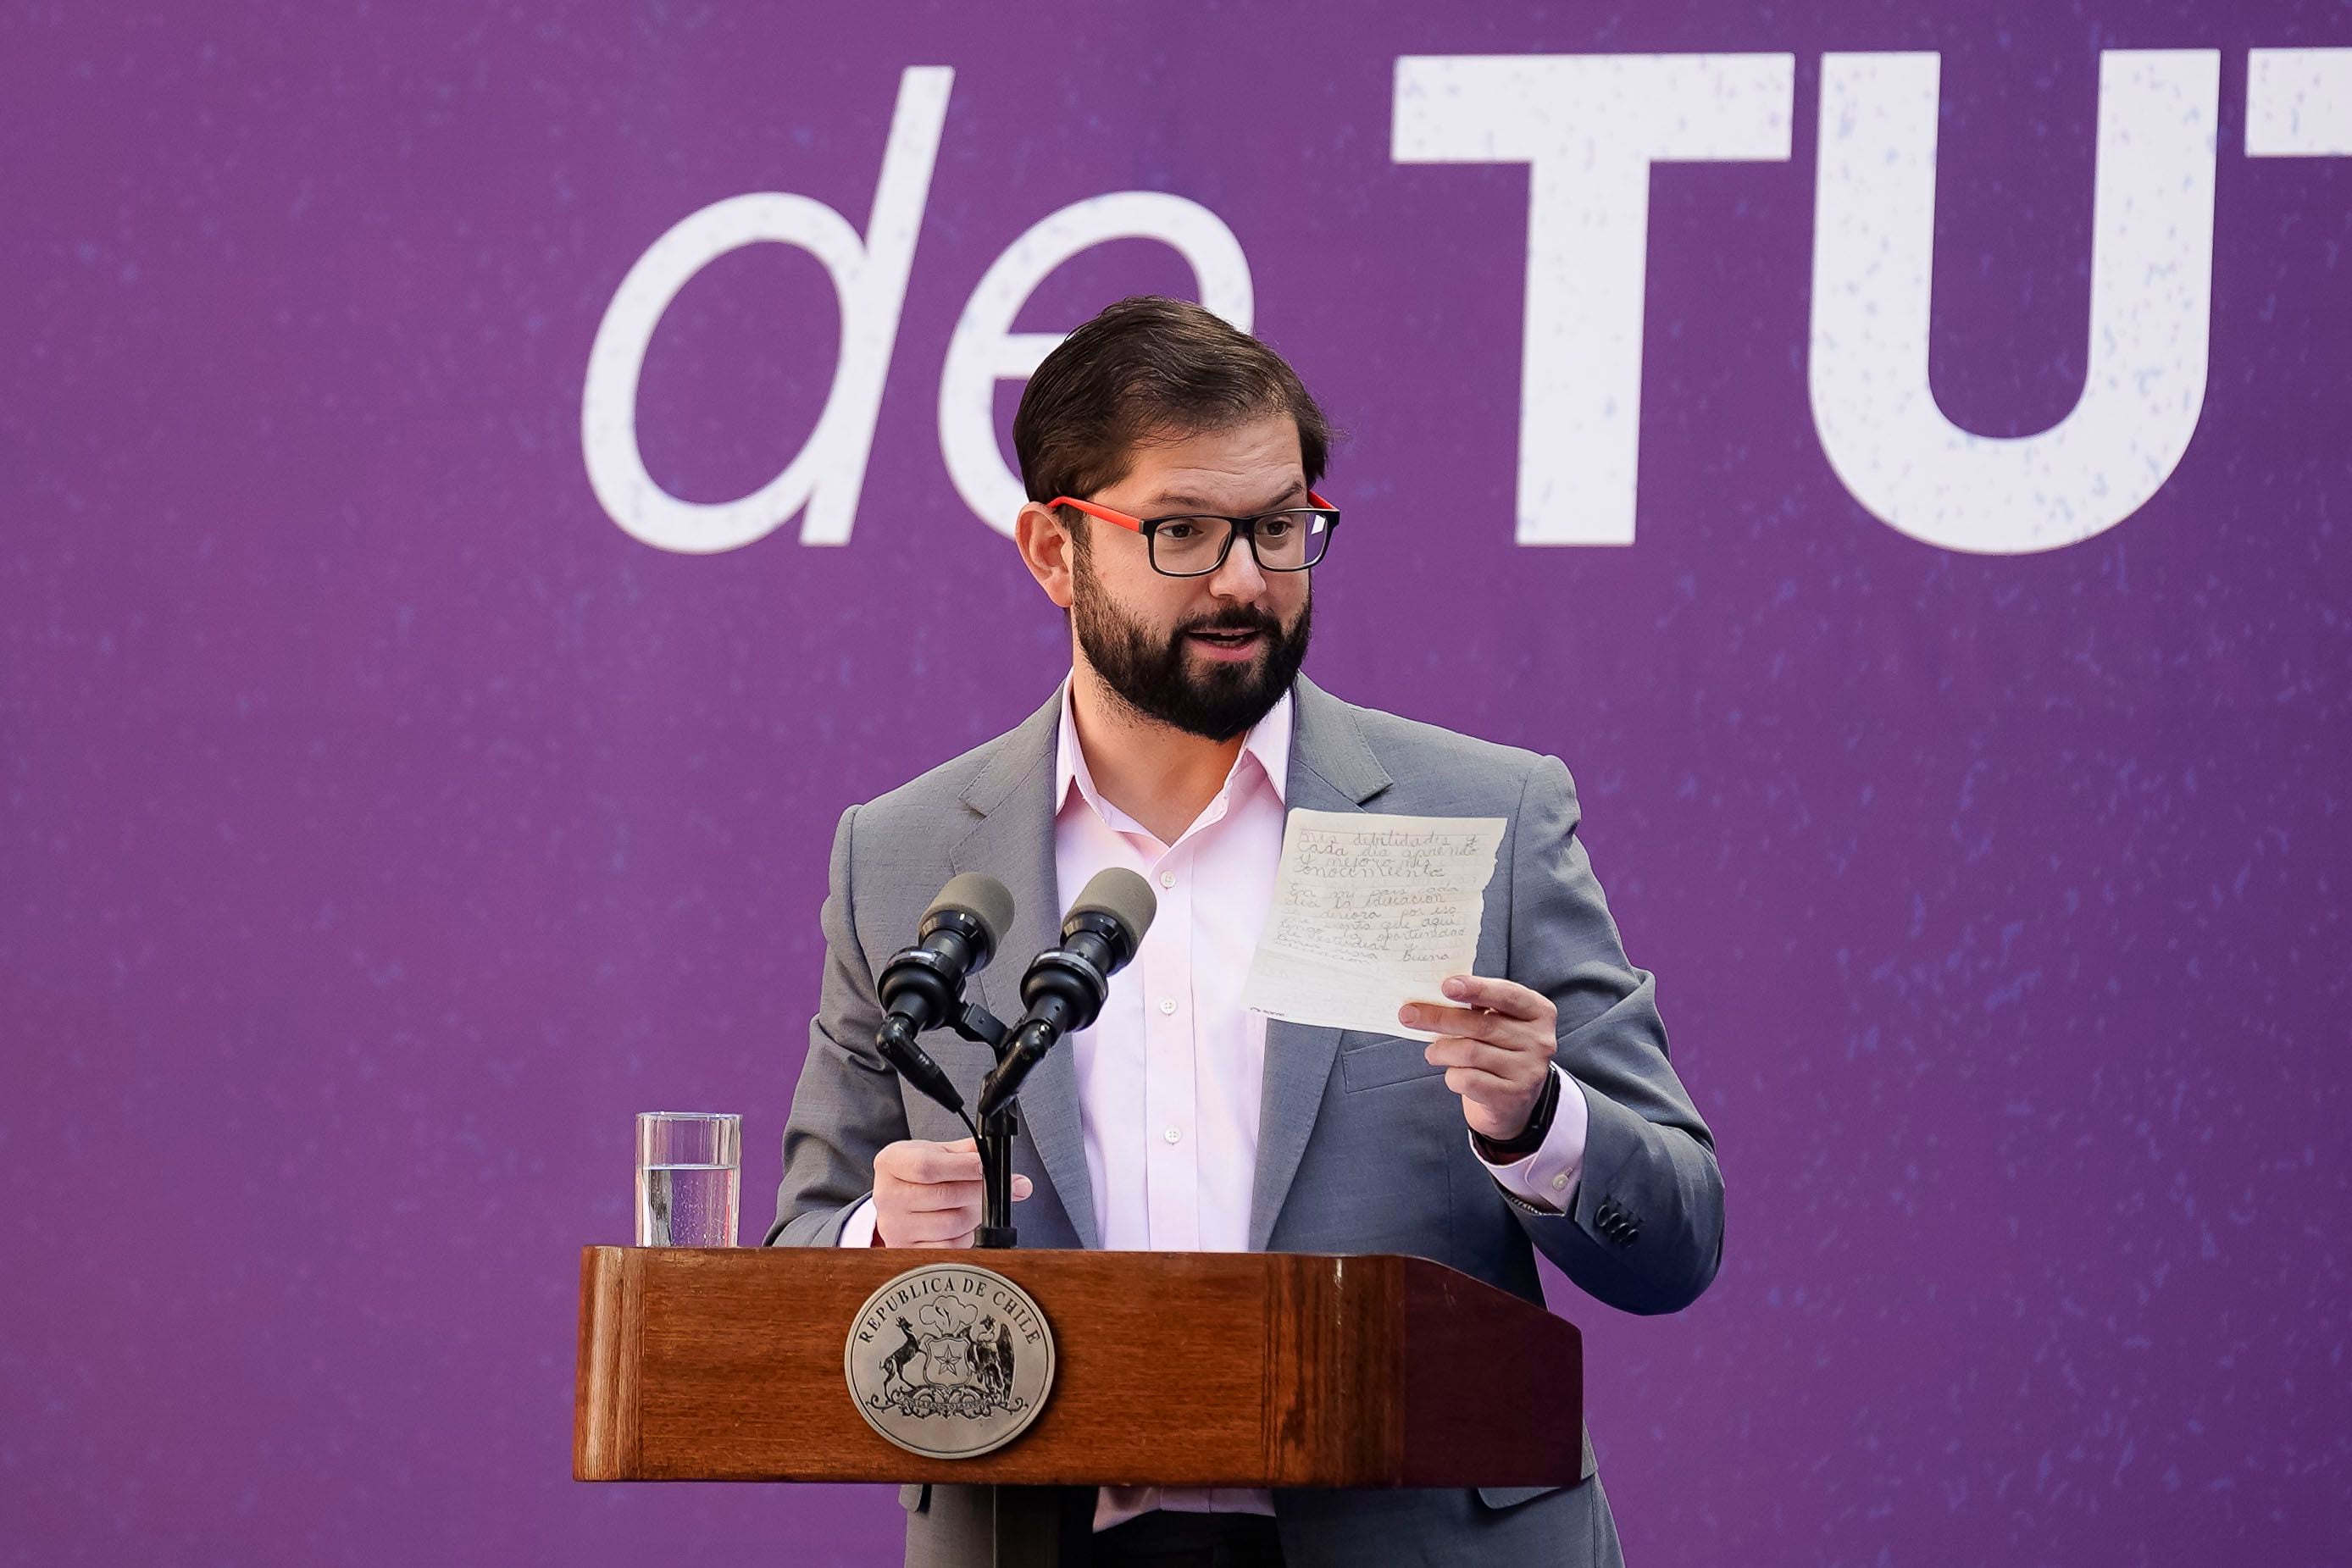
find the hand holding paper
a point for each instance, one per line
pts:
(1497, 1052)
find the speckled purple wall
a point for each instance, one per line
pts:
(381, 825)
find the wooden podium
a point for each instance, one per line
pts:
(1195, 1369)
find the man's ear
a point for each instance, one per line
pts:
(1048, 552)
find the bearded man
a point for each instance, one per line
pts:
(1170, 463)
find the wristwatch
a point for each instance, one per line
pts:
(1531, 1136)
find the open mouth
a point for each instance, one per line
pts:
(1226, 642)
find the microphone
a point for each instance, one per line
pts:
(1065, 985)
(922, 987)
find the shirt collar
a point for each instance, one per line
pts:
(1268, 745)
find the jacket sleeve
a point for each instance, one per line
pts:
(1644, 1231)
(847, 1104)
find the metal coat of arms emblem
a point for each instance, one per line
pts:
(950, 1361)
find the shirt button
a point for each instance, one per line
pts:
(1559, 1183)
(1173, 1134)
(1166, 878)
(1168, 1005)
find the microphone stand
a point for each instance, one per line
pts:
(997, 1130)
(993, 1137)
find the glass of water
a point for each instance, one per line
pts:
(690, 1178)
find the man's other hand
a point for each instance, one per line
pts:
(929, 1195)
(1496, 1049)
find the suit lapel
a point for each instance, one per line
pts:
(1013, 842)
(1332, 770)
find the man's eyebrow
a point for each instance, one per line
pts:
(1200, 503)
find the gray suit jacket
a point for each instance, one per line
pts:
(1362, 1148)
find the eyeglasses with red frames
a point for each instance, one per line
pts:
(1195, 544)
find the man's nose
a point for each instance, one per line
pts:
(1240, 578)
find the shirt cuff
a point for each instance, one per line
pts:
(858, 1230)
(1546, 1178)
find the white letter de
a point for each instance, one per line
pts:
(986, 350)
(1589, 126)
(869, 276)
(2151, 290)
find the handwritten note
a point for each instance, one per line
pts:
(1370, 912)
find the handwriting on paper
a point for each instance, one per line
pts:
(1370, 912)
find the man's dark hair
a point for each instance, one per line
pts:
(1151, 369)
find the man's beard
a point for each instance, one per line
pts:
(1218, 701)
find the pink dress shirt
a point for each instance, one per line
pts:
(1170, 1075)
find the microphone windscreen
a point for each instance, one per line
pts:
(984, 898)
(1121, 894)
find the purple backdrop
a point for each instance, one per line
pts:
(384, 826)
